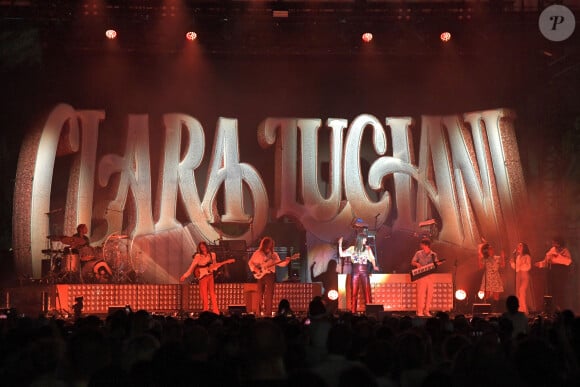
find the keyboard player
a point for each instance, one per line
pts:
(424, 256)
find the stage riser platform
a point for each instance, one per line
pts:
(97, 299)
(396, 292)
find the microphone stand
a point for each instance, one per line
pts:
(453, 282)
(516, 287)
(485, 280)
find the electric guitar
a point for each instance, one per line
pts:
(201, 272)
(261, 270)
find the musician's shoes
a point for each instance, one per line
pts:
(426, 314)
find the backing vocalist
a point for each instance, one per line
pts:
(557, 260)
(521, 262)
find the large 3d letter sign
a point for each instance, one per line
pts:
(467, 173)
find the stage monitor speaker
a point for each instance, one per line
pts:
(481, 309)
(374, 309)
(6, 313)
(114, 309)
(237, 309)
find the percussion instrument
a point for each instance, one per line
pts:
(118, 236)
(96, 271)
(87, 253)
(73, 241)
(70, 263)
(50, 252)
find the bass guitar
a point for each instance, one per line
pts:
(201, 272)
(261, 270)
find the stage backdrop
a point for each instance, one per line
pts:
(174, 148)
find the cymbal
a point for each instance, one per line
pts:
(73, 241)
(49, 251)
(230, 222)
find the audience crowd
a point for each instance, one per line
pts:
(318, 349)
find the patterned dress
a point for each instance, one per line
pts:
(491, 280)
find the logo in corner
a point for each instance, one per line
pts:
(557, 23)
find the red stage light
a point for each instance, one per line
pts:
(111, 34)
(445, 36)
(367, 37)
(191, 36)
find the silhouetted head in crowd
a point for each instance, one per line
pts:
(512, 304)
(284, 308)
(316, 307)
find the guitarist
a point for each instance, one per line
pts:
(203, 258)
(266, 257)
(425, 285)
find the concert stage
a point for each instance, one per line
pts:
(33, 300)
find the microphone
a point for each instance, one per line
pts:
(515, 252)
(377, 215)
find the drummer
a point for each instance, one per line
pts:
(81, 234)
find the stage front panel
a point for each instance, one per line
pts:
(396, 292)
(97, 299)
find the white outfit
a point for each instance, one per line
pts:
(522, 266)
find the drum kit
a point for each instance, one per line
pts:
(78, 262)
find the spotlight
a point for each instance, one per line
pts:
(332, 295)
(445, 36)
(481, 294)
(460, 294)
(367, 37)
(111, 34)
(191, 36)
